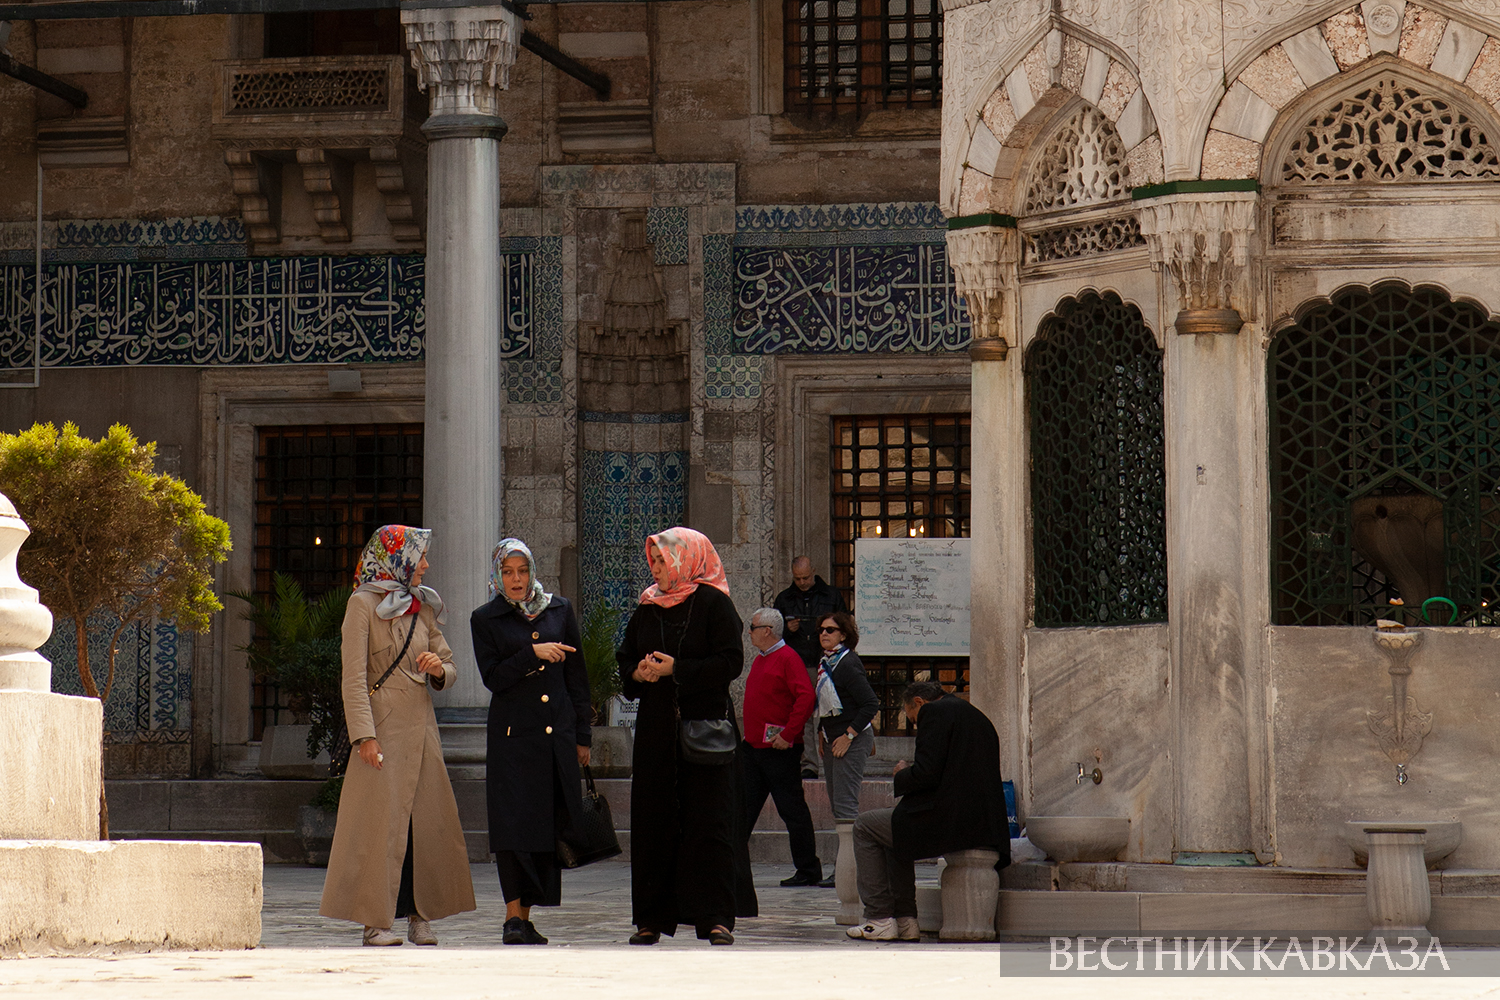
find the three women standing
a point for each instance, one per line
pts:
(690, 863)
(398, 849)
(540, 729)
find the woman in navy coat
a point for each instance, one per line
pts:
(540, 727)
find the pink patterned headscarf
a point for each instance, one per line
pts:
(691, 560)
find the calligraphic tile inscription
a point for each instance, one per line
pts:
(844, 278)
(627, 495)
(534, 375)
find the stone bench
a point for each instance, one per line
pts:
(962, 906)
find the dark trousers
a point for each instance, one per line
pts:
(406, 896)
(778, 773)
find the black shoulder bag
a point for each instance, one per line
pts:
(338, 756)
(703, 741)
(596, 839)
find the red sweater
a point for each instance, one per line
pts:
(777, 693)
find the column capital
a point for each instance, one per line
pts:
(1203, 240)
(985, 261)
(462, 56)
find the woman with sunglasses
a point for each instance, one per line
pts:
(846, 706)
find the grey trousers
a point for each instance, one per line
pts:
(844, 775)
(810, 732)
(887, 884)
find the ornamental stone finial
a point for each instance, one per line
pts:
(463, 56)
(985, 261)
(25, 622)
(1203, 241)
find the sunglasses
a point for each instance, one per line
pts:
(754, 627)
(830, 629)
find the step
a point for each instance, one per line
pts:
(1168, 878)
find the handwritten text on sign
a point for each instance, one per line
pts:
(911, 596)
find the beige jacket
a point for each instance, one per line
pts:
(410, 791)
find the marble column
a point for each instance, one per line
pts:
(984, 261)
(463, 57)
(1216, 580)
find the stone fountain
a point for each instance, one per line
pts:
(62, 889)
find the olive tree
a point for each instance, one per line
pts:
(110, 535)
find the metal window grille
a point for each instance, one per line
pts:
(1385, 459)
(320, 492)
(1098, 457)
(893, 477)
(857, 55)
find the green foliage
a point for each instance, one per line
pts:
(297, 645)
(328, 795)
(600, 627)
(108, 532)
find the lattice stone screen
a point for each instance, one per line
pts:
(1083, 163)
(1385, 458)
(1390, 131)
(1098, 481)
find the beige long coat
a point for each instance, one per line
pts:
(369, 843)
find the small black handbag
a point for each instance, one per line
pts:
(595, 839)
(708, 741)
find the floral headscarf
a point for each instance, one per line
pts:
(386, 566)
(536, 599)
(691, 560)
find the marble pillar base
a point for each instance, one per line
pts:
(970, 893)
(1397, 894)
(846, 878)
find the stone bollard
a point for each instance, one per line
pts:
(1397, 894)
(25, 623)
(846, 877)
(971, 891)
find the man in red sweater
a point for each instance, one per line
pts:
(778, 701)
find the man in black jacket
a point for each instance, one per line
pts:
(803, 605)
(951, 800)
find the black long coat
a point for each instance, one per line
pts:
(690, 860)
(539, 714)
(951, 796)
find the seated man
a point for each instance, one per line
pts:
(951, 800)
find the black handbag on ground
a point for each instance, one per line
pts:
(342, 750)
(595, 840)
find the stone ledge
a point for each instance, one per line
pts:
(89, 897)
(49, 765)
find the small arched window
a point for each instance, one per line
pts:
(1098, 480)
(1385, 459)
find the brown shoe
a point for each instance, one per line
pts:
(381, 937)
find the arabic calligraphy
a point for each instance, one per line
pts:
(847, 298)
(291, 310)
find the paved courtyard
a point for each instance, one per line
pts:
(792, 951)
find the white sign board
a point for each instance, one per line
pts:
(911, 596)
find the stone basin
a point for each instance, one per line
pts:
(1443, 837)
(1079, 838)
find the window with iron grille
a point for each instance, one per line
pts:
(1098, 466)
(851, 56)
(1385, 460)
(894, 477)
(320, 492)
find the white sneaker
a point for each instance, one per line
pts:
(875, 930)
(419, 931)
(906, 929)
(381, 937)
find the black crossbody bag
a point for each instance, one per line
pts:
(702, 741)
(338, 757)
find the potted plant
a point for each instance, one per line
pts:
(612, 744)
(297, 646)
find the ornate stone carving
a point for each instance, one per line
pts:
(275, 87)
(1083, 163)
(1400, 729)
(1203, 241)
(391, 169)
(1390, 131)
(984, 261)
(1083, 240)
(329, 180)
(462, 56)
(257, 183)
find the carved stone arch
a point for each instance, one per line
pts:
(982, 163)
(1452, 57)
(1071, 299)
(1388, 122)
(1077, 161)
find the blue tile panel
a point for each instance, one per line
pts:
(535, 376)
(151, 698)
(844, 278)
(626, 496)
(667, 229)
(264, 310)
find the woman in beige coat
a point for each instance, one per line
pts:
(398, 849)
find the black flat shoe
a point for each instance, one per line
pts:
(645, 936)
(827, 883)
(802, 878)
(532, 937)
(514, 932)
(720, 936)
